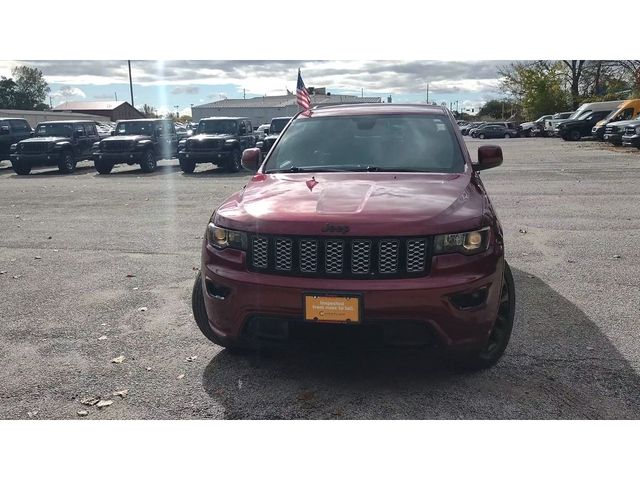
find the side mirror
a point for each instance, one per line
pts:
(4, 130)
(489, 156)
(113, 132)
(251, 159)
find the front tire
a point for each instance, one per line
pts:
(573, 135)
(501, 331)
(482, 136)
(234, 164)
(148, 163)
(506, 135)
(187, 166)
(103, 168)
(202, 319)
(67, 164)
(21, 168)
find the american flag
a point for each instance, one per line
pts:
(304, 101)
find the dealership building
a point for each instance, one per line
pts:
(262, 109)
(114, 111)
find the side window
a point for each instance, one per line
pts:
(90, 128)
(19, 126)
(626, 114)
(79, 130)
(249, 127)
(4, 123)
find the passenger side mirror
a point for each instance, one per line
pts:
(251, 159)
(489, 156)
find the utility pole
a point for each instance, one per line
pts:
(50, 102)
(427, 93)
(130, 83)
(244, 94)
(115, 94)
(362, 93)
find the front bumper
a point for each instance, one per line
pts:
(35, 159)
(205, 156)
(118, 157)
(598, 132)
(235, 297)
(631, 140)
(615, 138)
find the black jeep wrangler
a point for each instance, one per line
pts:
(59, 143)
(142, 141)
(12, 130)
(277, 125)
(218, 140)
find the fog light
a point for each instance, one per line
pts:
(131, 155)
(467, 300)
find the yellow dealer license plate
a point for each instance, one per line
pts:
(332, 308)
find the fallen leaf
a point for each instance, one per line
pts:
(130, 275)
(82, 413)
(38, 257)
(571, 261)
(531, 276)
(91, 401)
(617, 256)
(148, 369)
(135, 288)
(181, 376)
(103, 337)
(49, 237)
(589, 348)
(15, 277)
(32, 414)
(121, 393)
(522, 230)
(103, 324)
(195, 269)
(55, 249)
(119, 359)
(142, 309)
(2, 272)
(192, 358)
(104, 403)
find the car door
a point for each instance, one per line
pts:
(20, 129)
(244, 135)
(92, 136)
(80, 141)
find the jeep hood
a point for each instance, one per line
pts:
(45, 139)
(113, 138)
(368, 203)
(205, 136)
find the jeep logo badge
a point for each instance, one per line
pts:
(335, 228)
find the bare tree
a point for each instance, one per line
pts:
(632, 67)
(575, 68)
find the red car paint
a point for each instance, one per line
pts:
(371, 204)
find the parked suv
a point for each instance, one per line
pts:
(491, 130)
(142, 141)
(276, 127)
(631, 137)
(12, 130)
(530, 129)
(385, 234)
(59, 143)
(614, 131)
(581, 126)
(218, 140)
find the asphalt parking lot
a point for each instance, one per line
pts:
(82, 254)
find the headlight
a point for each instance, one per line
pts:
(638, 130)
(466, 243)
(13, 147)
(219, 237)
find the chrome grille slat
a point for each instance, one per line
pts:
(388, 256)
(260, 252)
(334, 256)
(283, 254)
(416, 255)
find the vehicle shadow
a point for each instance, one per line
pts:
(135, 170)
(215, 171)
(53, 171)
(557, 366)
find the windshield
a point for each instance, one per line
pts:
(134, 128)
(577, 114)
(54, 130)
(278, 124)
(416, 143)
(582, 115)
(217, 127)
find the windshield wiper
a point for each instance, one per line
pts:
(309, 169)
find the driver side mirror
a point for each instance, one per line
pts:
(113, 132)
(489, 156)
(251, 159)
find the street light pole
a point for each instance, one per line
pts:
(130, 83)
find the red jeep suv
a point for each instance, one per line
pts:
(363, 221)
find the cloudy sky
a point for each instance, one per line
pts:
(165, 84)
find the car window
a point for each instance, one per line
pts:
(79, 130)
(385, 142)
(54, 130)
(4, 123)
(220, 127)
(90, 128)
(19, 126)
(134, 128)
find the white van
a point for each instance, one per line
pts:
(587, 108)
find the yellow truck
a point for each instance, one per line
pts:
(627, 110)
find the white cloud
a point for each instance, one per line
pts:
(68, 93)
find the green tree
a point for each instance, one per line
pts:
(31, 88)
(498, 109)
(537, 86)
(7, 93)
